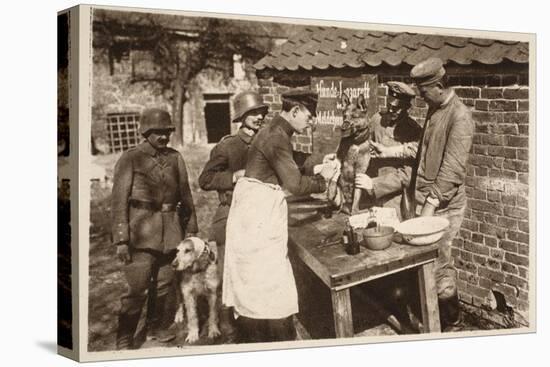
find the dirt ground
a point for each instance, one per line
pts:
(106, 282)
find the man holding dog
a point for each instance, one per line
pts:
(258, 280)
(394, 139)
(153, 211)
(441, 170)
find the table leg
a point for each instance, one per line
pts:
(428, 298)
(341, 310)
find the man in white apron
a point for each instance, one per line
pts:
(258, 278)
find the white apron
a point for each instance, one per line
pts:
(258, 280)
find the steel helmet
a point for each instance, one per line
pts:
(245, 102)
(155, 119)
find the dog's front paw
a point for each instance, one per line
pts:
(179, 316)
(192, 336)
(213, 331)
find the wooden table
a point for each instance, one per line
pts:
(340, 271)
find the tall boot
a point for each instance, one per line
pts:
(251, 330)
(451, 317)
(162, 320)
(228, 323)
(127, 324)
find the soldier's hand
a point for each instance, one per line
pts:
(238, 174)
(123, 253)
(379, 150)
(328, 170)
(362, 181)
(428, 210)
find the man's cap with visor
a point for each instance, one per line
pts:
(428, 71)
(305, 97)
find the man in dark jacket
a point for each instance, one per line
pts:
(226, 165)
(258, 278)
(152, 210)
(228, 160)
(440, 187)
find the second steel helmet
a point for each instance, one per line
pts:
(245, 102)
(155, 119)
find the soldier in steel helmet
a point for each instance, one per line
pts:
(258, 279)
(153, 211)
(226, 165)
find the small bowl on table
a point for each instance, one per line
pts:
(377, 238)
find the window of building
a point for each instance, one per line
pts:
(123, 131)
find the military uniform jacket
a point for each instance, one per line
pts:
(446, 143)
(270, 160)
(404, 131)
(227, 157)
(147, 186)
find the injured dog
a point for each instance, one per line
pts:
(196, 270)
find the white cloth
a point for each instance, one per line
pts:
(258, 280)
(333, 192)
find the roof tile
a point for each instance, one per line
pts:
(322, 47)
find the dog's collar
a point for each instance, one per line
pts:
(205, 251)
(206, 257)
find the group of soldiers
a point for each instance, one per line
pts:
(153, 208)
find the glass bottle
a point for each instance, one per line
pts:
(351, 245)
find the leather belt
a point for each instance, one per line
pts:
(156, 207)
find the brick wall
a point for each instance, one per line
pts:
(491, 252)
(117, 93)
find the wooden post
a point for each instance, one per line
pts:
(428, 298)
(341, 310)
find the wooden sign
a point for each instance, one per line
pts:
(333, 90)
(336, 96)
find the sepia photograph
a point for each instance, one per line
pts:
(262, 183)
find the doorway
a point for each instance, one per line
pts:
(218, 116)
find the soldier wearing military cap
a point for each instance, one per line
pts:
(226, 165)
(152, 210)
(394, 136)
(441, 170)
(258, 278)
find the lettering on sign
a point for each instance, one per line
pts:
(333, 90)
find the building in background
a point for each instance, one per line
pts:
(491, 77)
(138, 59)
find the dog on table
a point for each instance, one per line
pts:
(196, 271)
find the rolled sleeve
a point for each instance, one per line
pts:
(410, 149)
